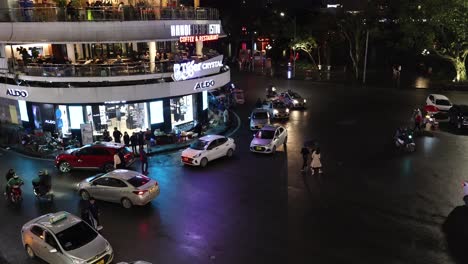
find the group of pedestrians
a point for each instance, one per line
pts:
(136, 139)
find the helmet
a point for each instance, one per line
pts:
(15, 176)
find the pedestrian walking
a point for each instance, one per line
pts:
(126, 138)
(134, 142)
(148, 139)
(316, 163)
(117, 135)
(119, 160)
(144, 161)
(141, 139)
(305, 157)
(226, 116)
(417, 120)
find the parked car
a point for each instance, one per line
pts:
(259, 118)
(276, 109)
(66, 239)
(458, 116)
(206, 149)
(439, 101)
(269, 139)
(95, 156)
(120, 186)
(292, 99)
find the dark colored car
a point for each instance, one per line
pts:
(98, 156)
(458, 116)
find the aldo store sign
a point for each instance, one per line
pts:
(204, 85)
(17, 93)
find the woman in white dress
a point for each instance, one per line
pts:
(316, 164)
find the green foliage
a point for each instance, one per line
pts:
(440, 26)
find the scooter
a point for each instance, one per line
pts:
(405, 143)
(430, 122)
(43, 192)
(15, 196)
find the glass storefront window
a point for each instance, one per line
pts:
(157, 112)
(181, 110)
(61, 116)
(23, 110)
(205, 100)
(76, 116)
(125, 117)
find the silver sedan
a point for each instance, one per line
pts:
(120, 186)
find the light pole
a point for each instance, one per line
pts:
(282, 14)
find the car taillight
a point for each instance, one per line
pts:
(140, 192)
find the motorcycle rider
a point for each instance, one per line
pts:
(10, 173)
(42, 183)
(16, 180)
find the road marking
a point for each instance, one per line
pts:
(23, 155)
(238, 125)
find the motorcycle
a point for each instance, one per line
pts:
(430, 122)
(15, 196)
(405, 142)
(42, 191)
(271, 92)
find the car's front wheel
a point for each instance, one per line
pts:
(64, 167)
(126, 203)
(84, 195)
(273, 151)
(30, 252)
(203, 162)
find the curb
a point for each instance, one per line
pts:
(175, 148)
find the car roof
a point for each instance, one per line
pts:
(259, 110)
(463, 107)
(439, 96)
(211, 137)
(122, 174)
(106, 145)
(63, 220)
(270, 127)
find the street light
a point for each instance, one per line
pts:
(282, 14)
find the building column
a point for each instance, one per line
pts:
(164, 3)
(199, 48)
(79, 51)
(71, 52)
(196, 3)
(152, 54)
(135, 46)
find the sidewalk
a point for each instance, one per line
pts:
(218, 130)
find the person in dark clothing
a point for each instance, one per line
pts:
(106, 135)
(10, 173)
(144, 161)
(305, 157)
(126, 138)
(141, 139)
(456, 232)
(258, 104)
(134, 142)
(117, 135)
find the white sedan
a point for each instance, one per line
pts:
(439, 101)
(208, 148)
(269, 139)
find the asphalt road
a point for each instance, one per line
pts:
(373, 205)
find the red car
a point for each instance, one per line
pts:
(95, 156)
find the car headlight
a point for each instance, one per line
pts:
(275, 111)
(196, 156)
(305, 101)
(295, 101)
(287, 110)
(108, 247)
(78, 260)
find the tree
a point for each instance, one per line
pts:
(353, 26)
(439, 26)
(307, 45)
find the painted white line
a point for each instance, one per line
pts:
(25, 156)
(238, 125)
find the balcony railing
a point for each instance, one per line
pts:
(105, 13)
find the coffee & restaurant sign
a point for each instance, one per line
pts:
(188, 70)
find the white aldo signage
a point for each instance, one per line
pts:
(204, 85)
(187, 70)
(17, 93)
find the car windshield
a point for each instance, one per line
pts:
(199, 144)
(294, 95)
(260, 115)
(442, 102)
(139, 180)
(278, 105)
(76, 236)
(265, 134)
(94, 177)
